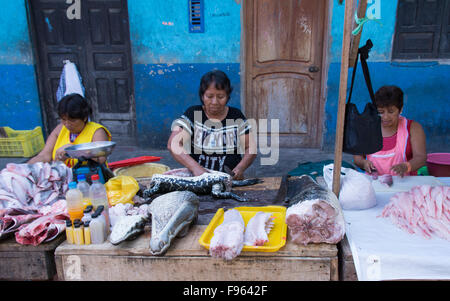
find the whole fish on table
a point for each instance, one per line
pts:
(172, 214)
(216, 183)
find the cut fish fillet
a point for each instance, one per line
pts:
(258, 227)
(228, 239)
(424, 210)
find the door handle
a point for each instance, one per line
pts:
(313, 69)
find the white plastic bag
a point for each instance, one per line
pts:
(356, 192)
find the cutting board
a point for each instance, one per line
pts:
(405, 183)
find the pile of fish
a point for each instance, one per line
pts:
(424, 210)
(314, 214)
(31, 226)
(231, 235)
(33, 185)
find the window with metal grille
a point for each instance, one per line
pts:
(196, 16)
(422, 30)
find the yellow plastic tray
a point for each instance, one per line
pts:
(277, 236)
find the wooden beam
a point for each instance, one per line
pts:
(354, 40)
(348, 21)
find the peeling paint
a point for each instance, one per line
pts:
(49, 26)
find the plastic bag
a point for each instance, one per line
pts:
(356, 191)
(121, 189)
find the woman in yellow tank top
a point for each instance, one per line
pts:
(74, 128)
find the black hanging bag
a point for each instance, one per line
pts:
(362, 132)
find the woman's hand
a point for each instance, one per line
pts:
(400, 169)
(238, 173)
(60, 153)
(368, 166)
(198, 170)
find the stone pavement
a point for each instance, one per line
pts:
(288, 159)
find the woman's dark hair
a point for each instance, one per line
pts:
(389, 96)
(220, 79)
(74, 106)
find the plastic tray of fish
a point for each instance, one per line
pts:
(277, 236)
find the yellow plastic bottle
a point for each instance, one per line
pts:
(78, 234)
(87, 233)
(69, 232)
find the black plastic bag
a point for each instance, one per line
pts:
(362, 131)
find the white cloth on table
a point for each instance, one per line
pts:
(383, 251)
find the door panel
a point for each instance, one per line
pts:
(99, 44)
(283, 40)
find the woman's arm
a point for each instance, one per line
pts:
(250, 152)
(175, 145)
(419, 151)
(100, 135)
(45, 154)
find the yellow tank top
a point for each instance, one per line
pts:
(84, 137)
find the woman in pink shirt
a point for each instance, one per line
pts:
(404, 149)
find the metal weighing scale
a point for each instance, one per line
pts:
(85, 152)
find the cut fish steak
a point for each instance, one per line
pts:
(314, 214)
(258, 228)
(228, 239)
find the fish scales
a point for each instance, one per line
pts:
(172, 214)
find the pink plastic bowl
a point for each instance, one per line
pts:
(439, 164)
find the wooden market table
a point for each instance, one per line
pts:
(187, 260)
(26, 262)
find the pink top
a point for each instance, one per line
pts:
(390, 155)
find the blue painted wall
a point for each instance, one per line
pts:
(18, 86)
(168, 63)
(425, 84)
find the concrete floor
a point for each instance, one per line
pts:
(288, 159)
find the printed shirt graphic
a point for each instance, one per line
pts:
(215, 144)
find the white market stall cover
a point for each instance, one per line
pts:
(383, 251)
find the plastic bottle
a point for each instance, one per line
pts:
(96, 229)
(74, 199)
(69, 231)
(78, 233)
(102, 216)
(97, 193)
(87, 233)
(83, 186)
(87, 214)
